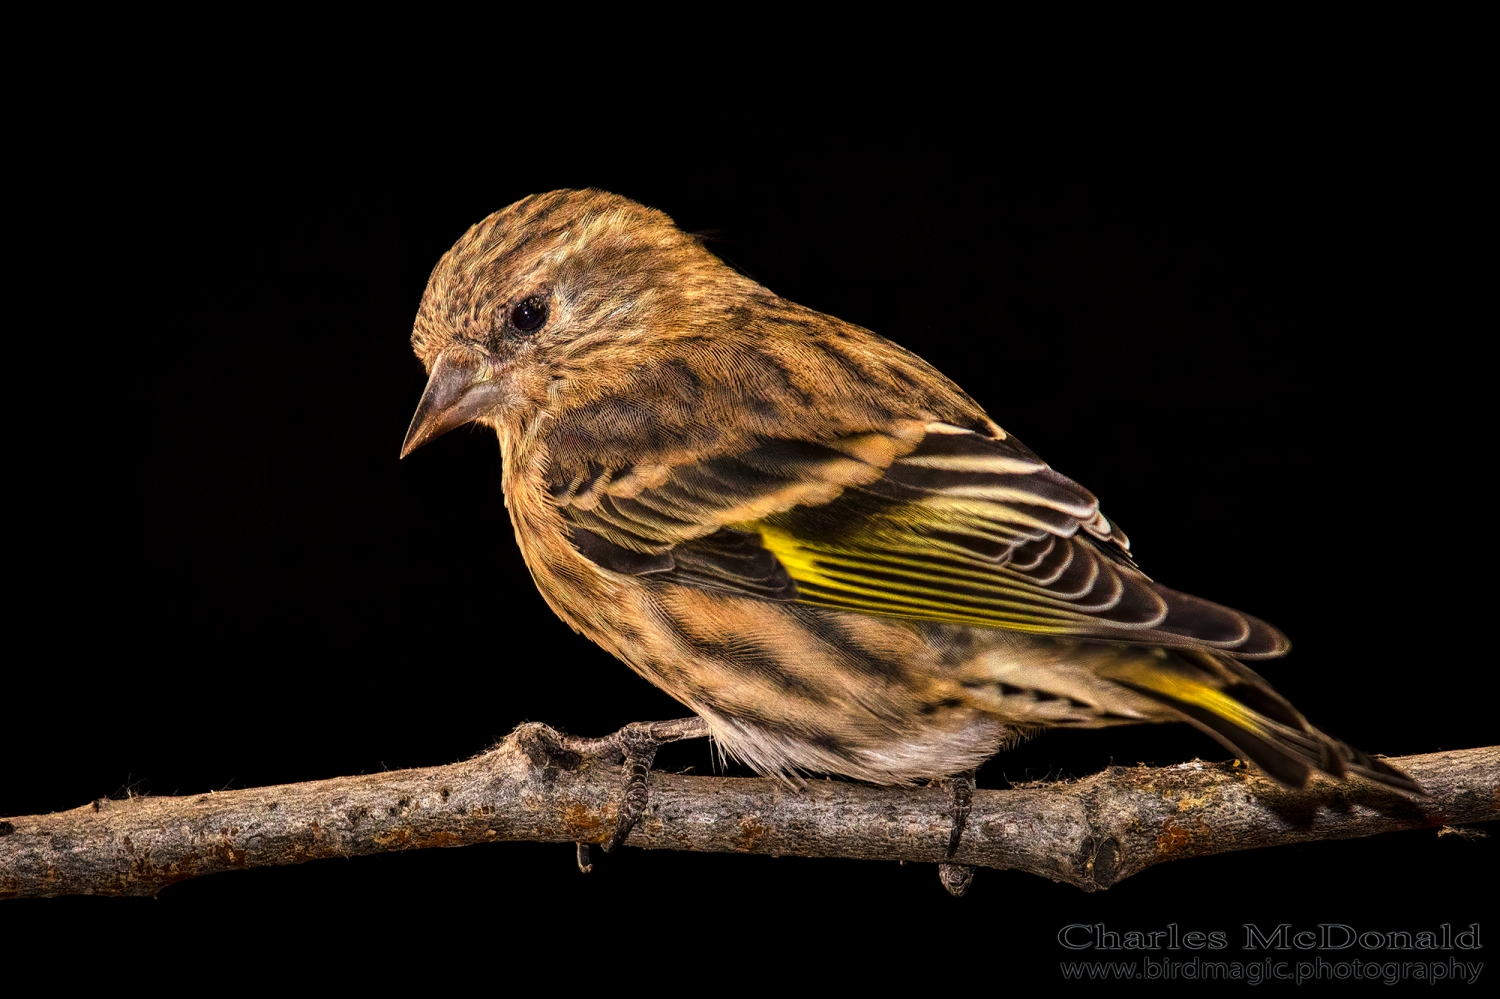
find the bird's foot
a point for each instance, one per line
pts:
(957, 877)
(635, 746)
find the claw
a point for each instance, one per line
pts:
(956, 878)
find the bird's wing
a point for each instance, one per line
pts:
(925, 521)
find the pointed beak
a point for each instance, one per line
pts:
(458, 391)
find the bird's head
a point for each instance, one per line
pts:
(553, 300)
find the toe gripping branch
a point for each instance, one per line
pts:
(635, 746)
(957, 877)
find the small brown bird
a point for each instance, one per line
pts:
(806, 534)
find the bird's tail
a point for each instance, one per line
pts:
(1235, 705)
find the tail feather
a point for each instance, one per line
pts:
(1233, 704)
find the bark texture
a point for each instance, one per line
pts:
(1092, 833)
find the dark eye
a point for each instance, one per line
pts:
(530, 315)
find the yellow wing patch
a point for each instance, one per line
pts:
(897, 586)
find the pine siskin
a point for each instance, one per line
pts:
(806, 534)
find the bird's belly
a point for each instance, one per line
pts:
(787, 687)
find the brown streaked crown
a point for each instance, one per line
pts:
(609, 266)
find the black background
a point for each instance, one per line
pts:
(1260, 336)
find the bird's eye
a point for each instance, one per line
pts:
(530, 315)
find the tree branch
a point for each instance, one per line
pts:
(1092, 833)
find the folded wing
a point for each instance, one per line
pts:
(924, 521)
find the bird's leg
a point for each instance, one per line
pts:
(957, 877)
(636, 744)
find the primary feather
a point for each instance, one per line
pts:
(806, 533)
